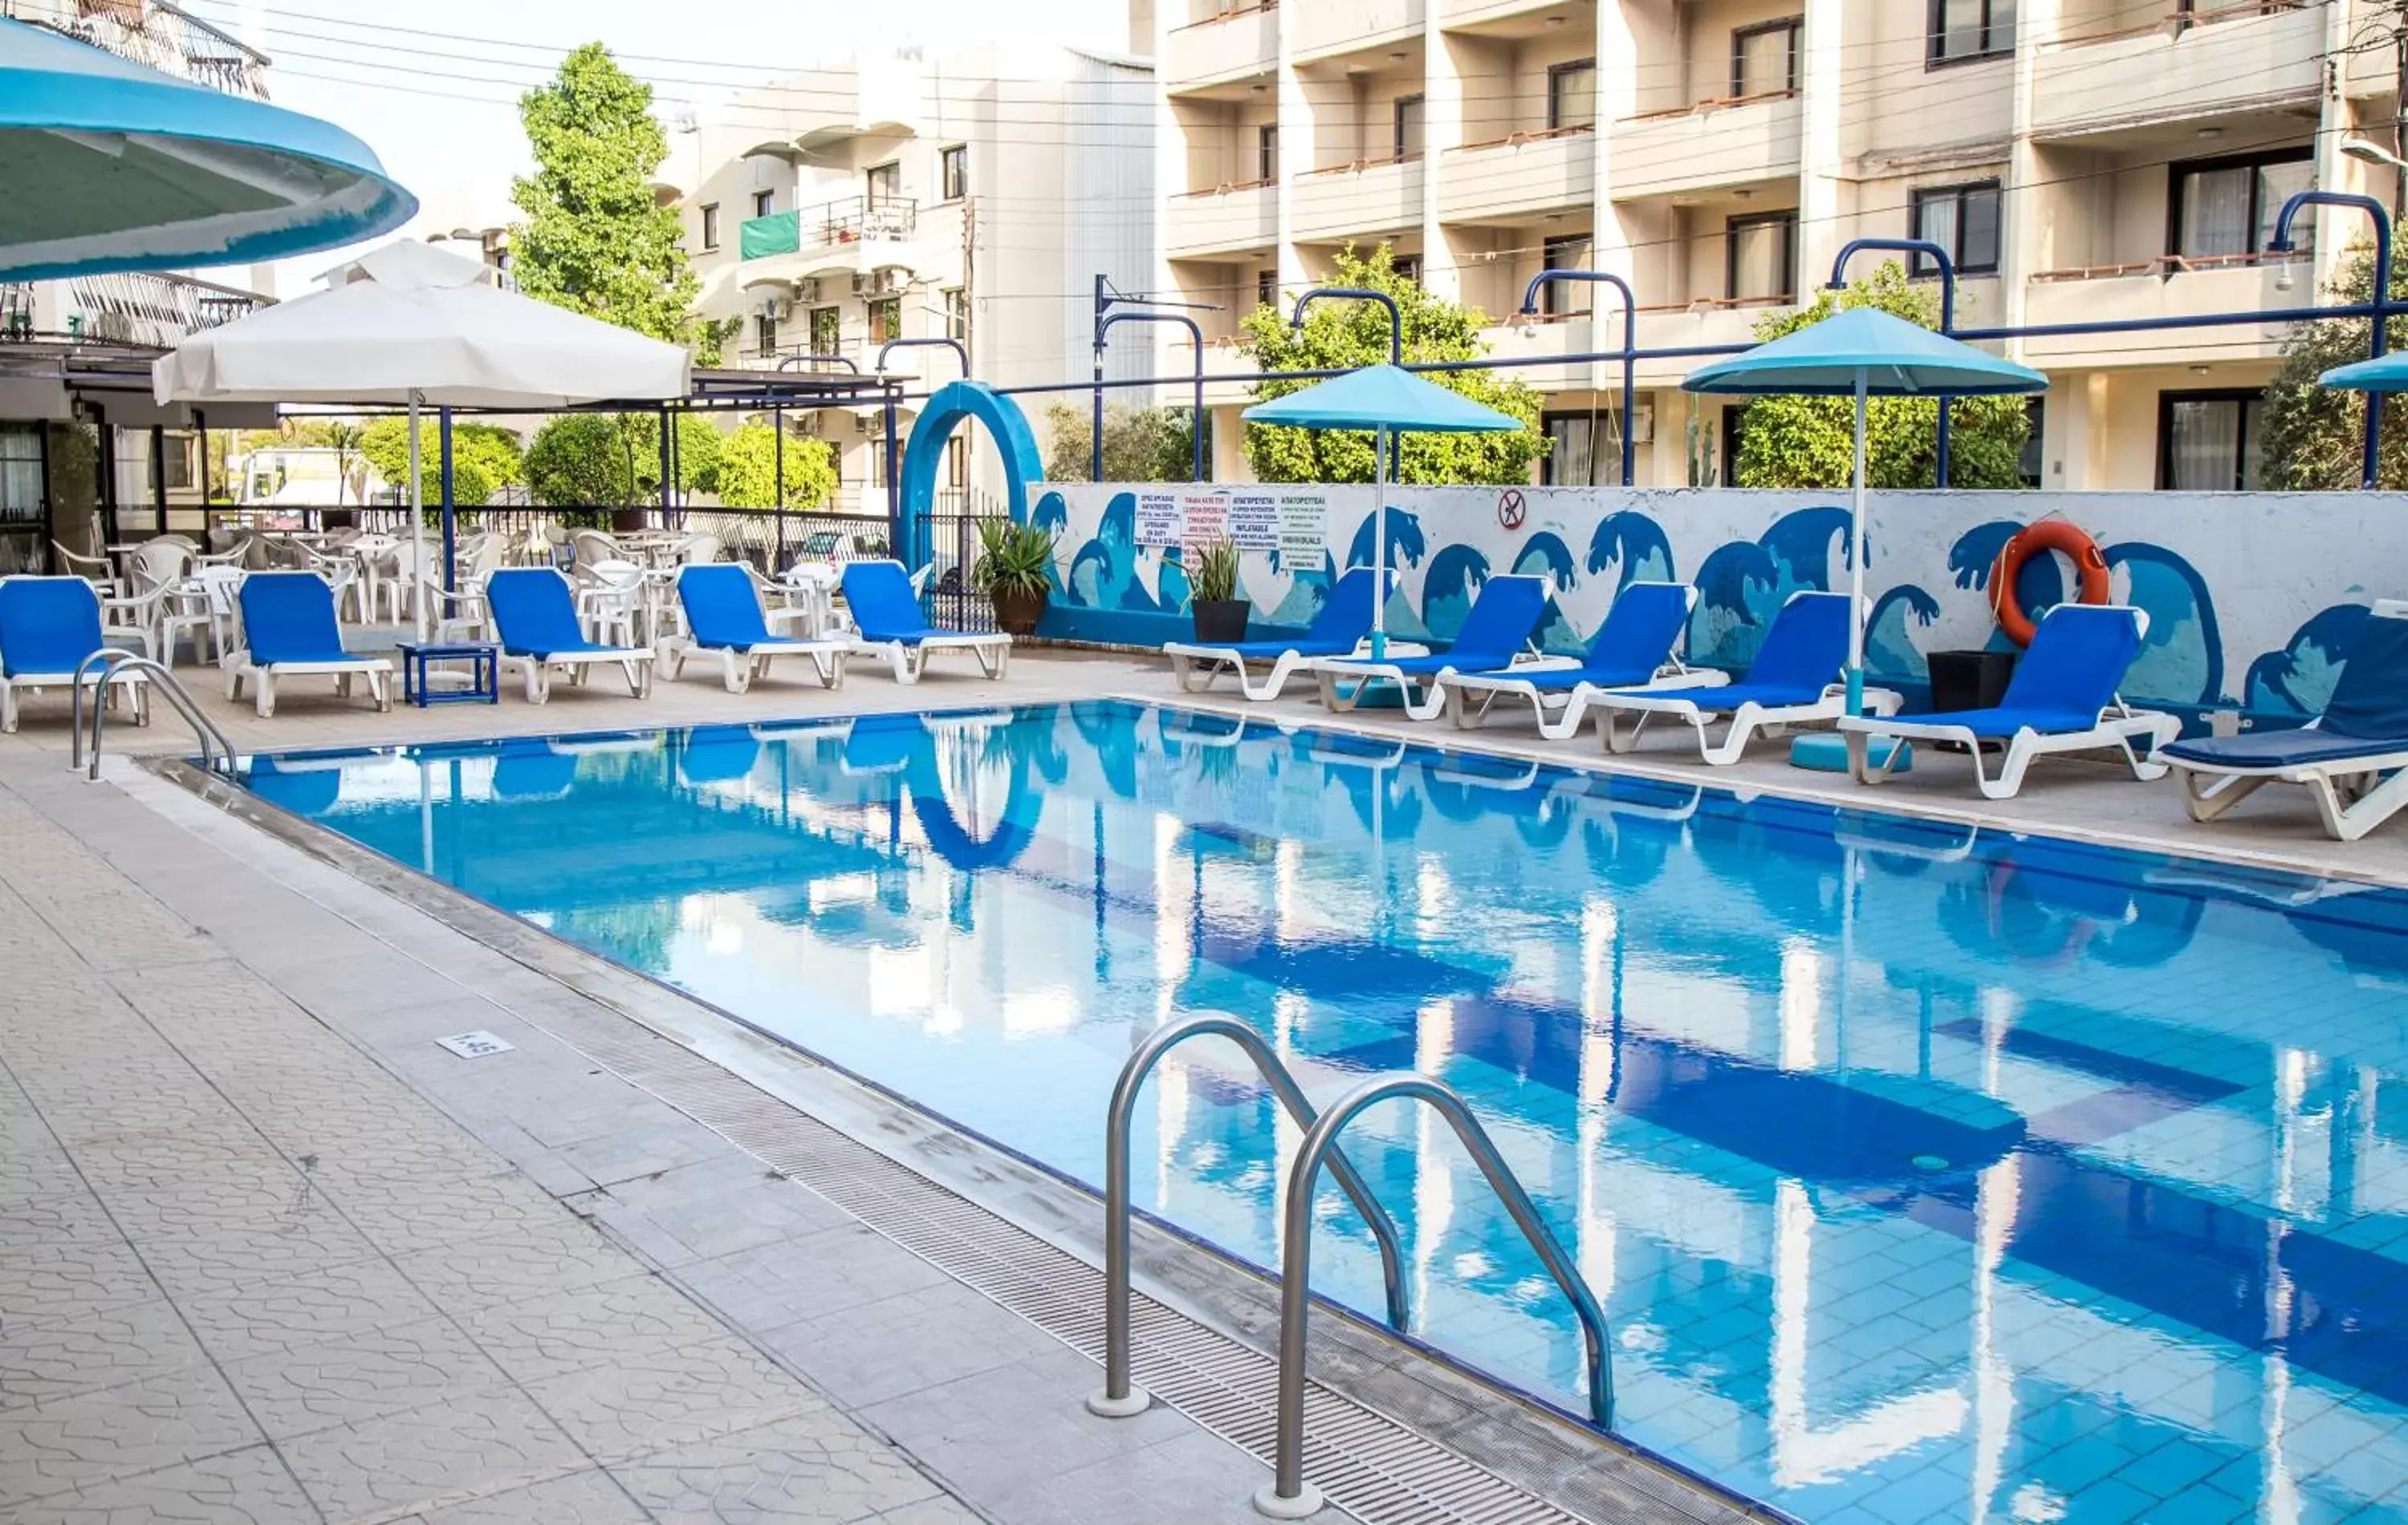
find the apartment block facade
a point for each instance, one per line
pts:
(2081, 160)
(971, 198)
(76, 350)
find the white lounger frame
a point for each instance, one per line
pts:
(376, 669)
(1571, 704)
(1748, 719)
(635, 661)
(132, 684)
(1187, 659)
(737, 669)
(2352, 794)
(909, 659)
(2118, 726)
(1329, 670)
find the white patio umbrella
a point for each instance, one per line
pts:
(415, 325)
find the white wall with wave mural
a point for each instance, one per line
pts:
(2252, 597)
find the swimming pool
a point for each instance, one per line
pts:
(1925, 1174)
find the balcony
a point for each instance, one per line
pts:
(2234, 58)
(1526, 174)
(143, 310)
(1234, 45)
(1358, 200)
(158, 33)
(1705, 147)
(1473, 15)
(1229, 220)
(849, 237)
(1711, 321)
(1323, 27)
(2162, 288)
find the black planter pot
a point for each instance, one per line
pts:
(1220, 621)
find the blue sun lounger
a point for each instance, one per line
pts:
(1794, 681)
(2352, 759)
(722, 611)
(289, 631)
(886, 613)
(1338, 629)
(1633, 649)
(2062, 699)
(48, 627)
(1495, 633)
(534, 614)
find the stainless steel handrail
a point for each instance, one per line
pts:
(114, 660)
(1288, 1496)
(1118, 1398)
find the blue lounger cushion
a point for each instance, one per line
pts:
(884, 605)
(2067, 678)
(2298, 748)
(723, 609)
(289, 617)
(535, 613)
(1498, 626)
(2366, 717)
(46, 625)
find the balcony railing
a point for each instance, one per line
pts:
(166, 37)
(852, 219)
(153, 312)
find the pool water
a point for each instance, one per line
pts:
(1925, 1174)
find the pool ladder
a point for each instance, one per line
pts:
(217, 753)
(1288, 1496)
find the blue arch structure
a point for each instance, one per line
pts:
(924, 454)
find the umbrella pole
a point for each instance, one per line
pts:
(417, 527)
(1857, 542)
(1380, 548)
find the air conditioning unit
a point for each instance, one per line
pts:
(867, 423)
(1642, 424)
(889, 281)
(808, 426)
(860, 283)
(808, 290)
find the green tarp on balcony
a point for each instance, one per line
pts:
(780, 233)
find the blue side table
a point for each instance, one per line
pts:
(484, 674)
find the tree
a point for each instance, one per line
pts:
(594, 241)
(1810, 442)
(1339, 335)
(1140, 444)
(748, 469)
(343, 438)
(485, 458)
(2311, 437)
(615, 459)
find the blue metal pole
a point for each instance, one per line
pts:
(1095, 444)
(1947, 309)
(893, 466)
(1629, 345)
(1195, 336)
(2280, 244)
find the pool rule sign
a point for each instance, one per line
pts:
(1303, 522)
(1255, 520)
(1205, 516)
(1159, 520)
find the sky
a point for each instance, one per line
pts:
(433, 87)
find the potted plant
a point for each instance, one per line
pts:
(1015, 569)
(1220, 610)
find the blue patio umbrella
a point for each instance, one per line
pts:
(1863, 353)
(114, 166)
(2388, 374)
(1382, 401)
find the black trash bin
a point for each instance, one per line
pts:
(1969, 680)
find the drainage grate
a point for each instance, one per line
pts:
(1370, 1465)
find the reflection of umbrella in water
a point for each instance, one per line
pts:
(114, 166)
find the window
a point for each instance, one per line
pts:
(1407, 265)
(2029, 464)
(1734, 436)
(1267, 152)
(884, 184)
(1762, 257)
(954, 171)
(710, 226)
(886, 318)
(878, 457)
(957, 460)
(23, 499)
(1961, 219)
(1266, 288)
(1409, 127)
(1764, 58)
(765, 332)
(764, 202)
(957, 314)
(1586, 452)
(2207, 441)
(2227, 207)
(1965, 30)
(1571, 94)
(827, 329)
(1559, 297)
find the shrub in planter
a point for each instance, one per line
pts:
(1219, 609)
(1015, 569)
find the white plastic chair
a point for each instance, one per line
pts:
(206, 613)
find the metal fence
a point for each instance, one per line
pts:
(948, 599)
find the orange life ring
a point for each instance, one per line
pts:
(2090, 568)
